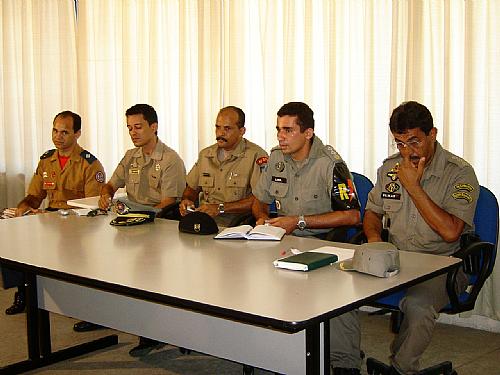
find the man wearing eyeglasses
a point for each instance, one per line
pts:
(427, 197)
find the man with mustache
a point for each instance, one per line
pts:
(314, 192)
(225, 174)
(427, 197)
(153, 175)
(64, 173)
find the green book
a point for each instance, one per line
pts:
(306, 261)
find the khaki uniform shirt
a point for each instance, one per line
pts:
(151, 178)
(448, 180)
(322, 183)
(230, 180)
(82, 176)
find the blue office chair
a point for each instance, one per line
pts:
(346, 234)
(478, 253)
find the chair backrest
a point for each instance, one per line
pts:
(486, 219)
(363, 187)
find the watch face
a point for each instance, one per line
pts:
(301, 224)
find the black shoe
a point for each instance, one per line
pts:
(145, 347)
(86, 327)
(345, 371)
(375, 367)
(19, 304)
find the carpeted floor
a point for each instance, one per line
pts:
(472, 352)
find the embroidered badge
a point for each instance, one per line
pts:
(262, 160)
(49, 184)
(99, 177)
(391, 187)
(393, 173)
(280, 166)
(467, 187)
(462, 195)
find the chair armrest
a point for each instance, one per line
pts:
(477, 262)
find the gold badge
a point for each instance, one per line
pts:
(157, 167)
(462, 195)
(467, 187)
(391, 187)
(393, 173)
(280, 166)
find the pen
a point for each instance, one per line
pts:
(26, 212)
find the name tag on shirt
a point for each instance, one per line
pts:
(278, 179)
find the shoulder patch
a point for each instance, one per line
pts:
(88, 156)
(47, 154)
(262, 160)
(331, 153)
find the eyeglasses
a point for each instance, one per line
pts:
(415, 143)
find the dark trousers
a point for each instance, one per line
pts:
(11, 278)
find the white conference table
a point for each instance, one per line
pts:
(220, 297)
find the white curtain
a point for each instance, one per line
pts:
(37, 78)
(352, 61)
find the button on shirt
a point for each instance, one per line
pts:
(149, 179)
(82, 176)
(229, 180)
(448, 180)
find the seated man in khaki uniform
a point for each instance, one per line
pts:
(153, 175)
(225, 174)
(428, 197)
(64, 173)
(314, 192)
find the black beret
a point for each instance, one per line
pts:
(198, 223)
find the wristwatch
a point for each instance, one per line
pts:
(221, 208)
(301, 224)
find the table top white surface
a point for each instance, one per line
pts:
(227, 277)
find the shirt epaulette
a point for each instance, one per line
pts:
(390, 157)
(88, 156)
(458, 161)
(47, 154)
(331, 153)
(276, 148)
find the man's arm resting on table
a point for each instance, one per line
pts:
(241, 206)
(107, 193)
(189, 196)
(29, 203)
(326, 220)
(260, 211)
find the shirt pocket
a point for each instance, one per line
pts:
(313, 196)
(391, 205)
(154, 181)
(134, 176)
(207, 181)
(278, 189)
